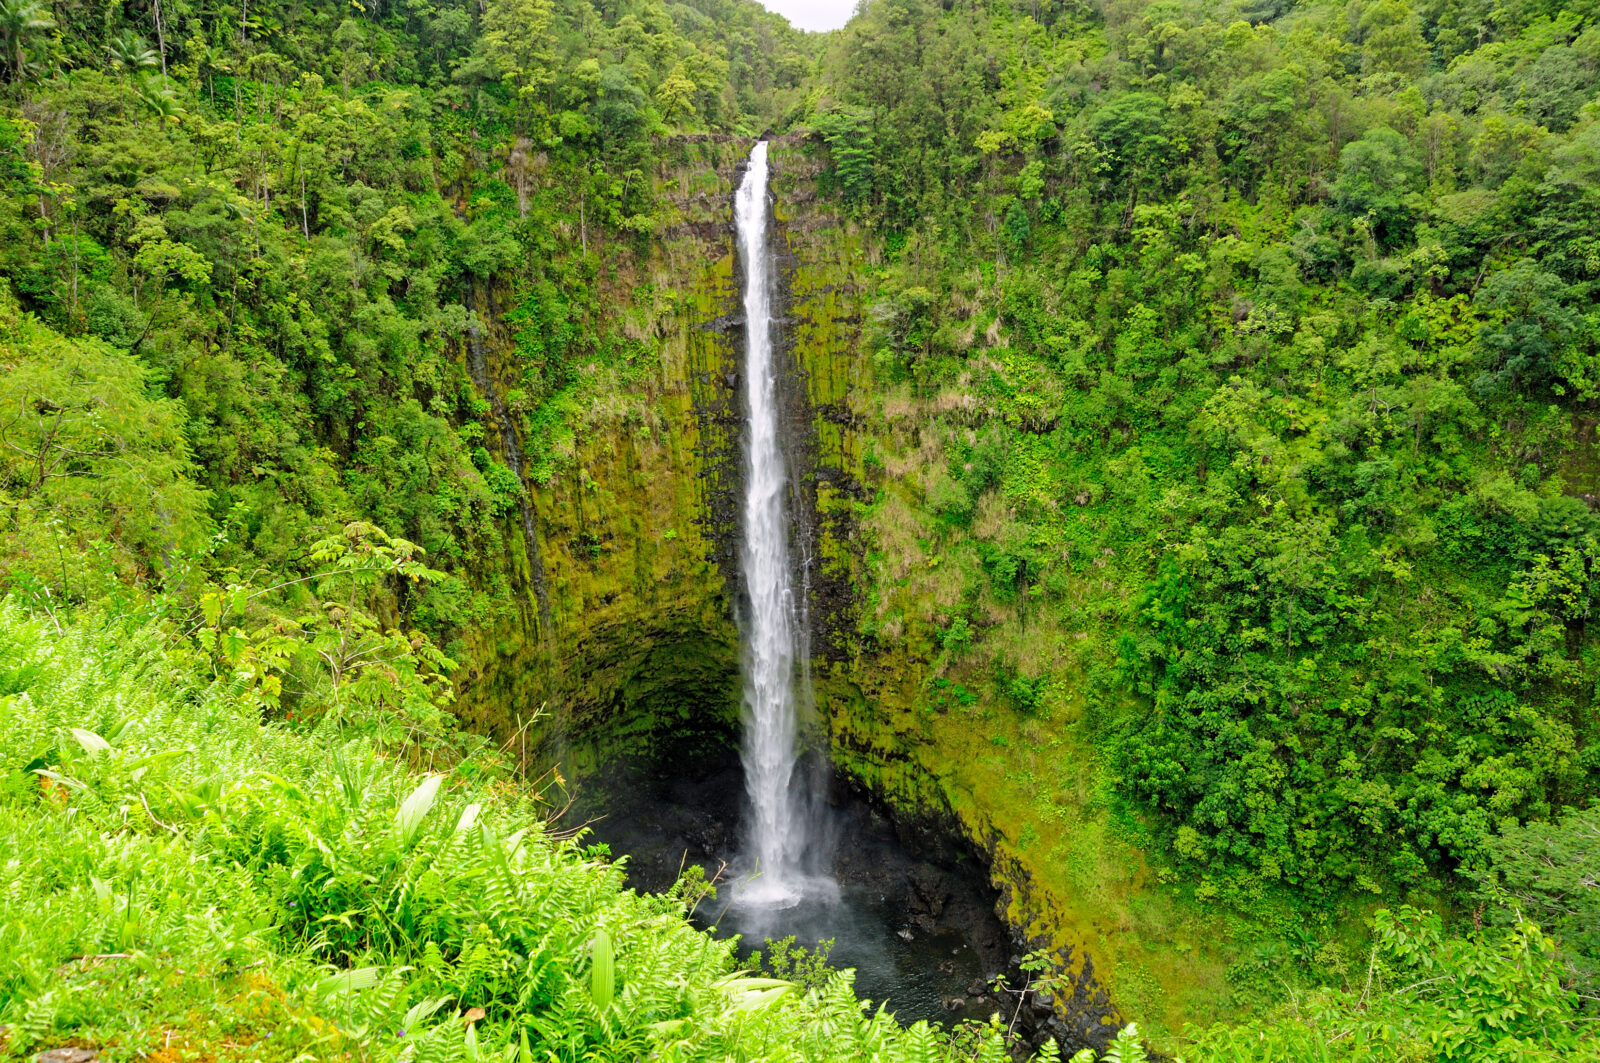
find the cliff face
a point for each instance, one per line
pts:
(638, 545)
(630, 596)
(635, 537)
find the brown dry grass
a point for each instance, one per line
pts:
(897, 529)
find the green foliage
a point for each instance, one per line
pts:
(23, 24)
(192, 873)
(1491, 997)
(337, 667)
(1549, 873)
(852, 154)
(1250, 362)
(602, 971)
(785, 960)
(1250, 355)
(1132, 135)
(1377, 180)
(95, 473)
(1126, 1047)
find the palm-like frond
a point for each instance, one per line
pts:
(21, 23)
(132, 53)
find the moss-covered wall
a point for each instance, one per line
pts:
(635, 534)
(639, 545)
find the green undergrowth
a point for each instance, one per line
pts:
(184, 881)
(1079, 871)
(1069, 855)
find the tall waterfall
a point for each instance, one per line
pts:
(770, 754)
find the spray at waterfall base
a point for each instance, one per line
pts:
(918, 926)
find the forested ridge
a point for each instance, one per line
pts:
(1302, 342)
(1230, 446)
(1274, 372)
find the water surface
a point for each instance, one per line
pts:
(920, 933)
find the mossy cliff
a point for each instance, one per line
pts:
(928, 737)
(637, 540)
(635, 638)
(624, 628)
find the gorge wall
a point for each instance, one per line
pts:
(638, 548)
(638, 542)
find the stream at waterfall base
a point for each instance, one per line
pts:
(921, 935)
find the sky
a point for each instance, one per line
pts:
(814, 14)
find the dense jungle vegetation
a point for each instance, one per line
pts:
(1236, 373)
(1260, 347)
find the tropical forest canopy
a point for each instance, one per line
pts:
(1236, 380)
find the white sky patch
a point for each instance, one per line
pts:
(814, 14)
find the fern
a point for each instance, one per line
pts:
(381, 901)
(1125, 1047)
(38, 1018)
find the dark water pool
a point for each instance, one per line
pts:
(936, 975)
(920, 932)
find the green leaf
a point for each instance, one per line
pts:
(514, 842)
(408, 821)
(64, 780)
(421, 1010)
(162, 757)
(92, 743)
(751, 993)
(349, 981)
(211, 608)
(603, 970)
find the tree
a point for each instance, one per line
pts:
(20, 22)
(1535, 340)
(354, 59)
(1391, 39)
(350, 670)
(1550, 873)
(1558, 83)
(91, 465)
(519, 36)
(1260, 119)
(852, 152)
(131, 53)
(1377, 176)
(675, 95)
(1134, 138)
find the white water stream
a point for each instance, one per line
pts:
(770, 754)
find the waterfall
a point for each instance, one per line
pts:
(770, 754)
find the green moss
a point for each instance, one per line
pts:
(640, 638)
